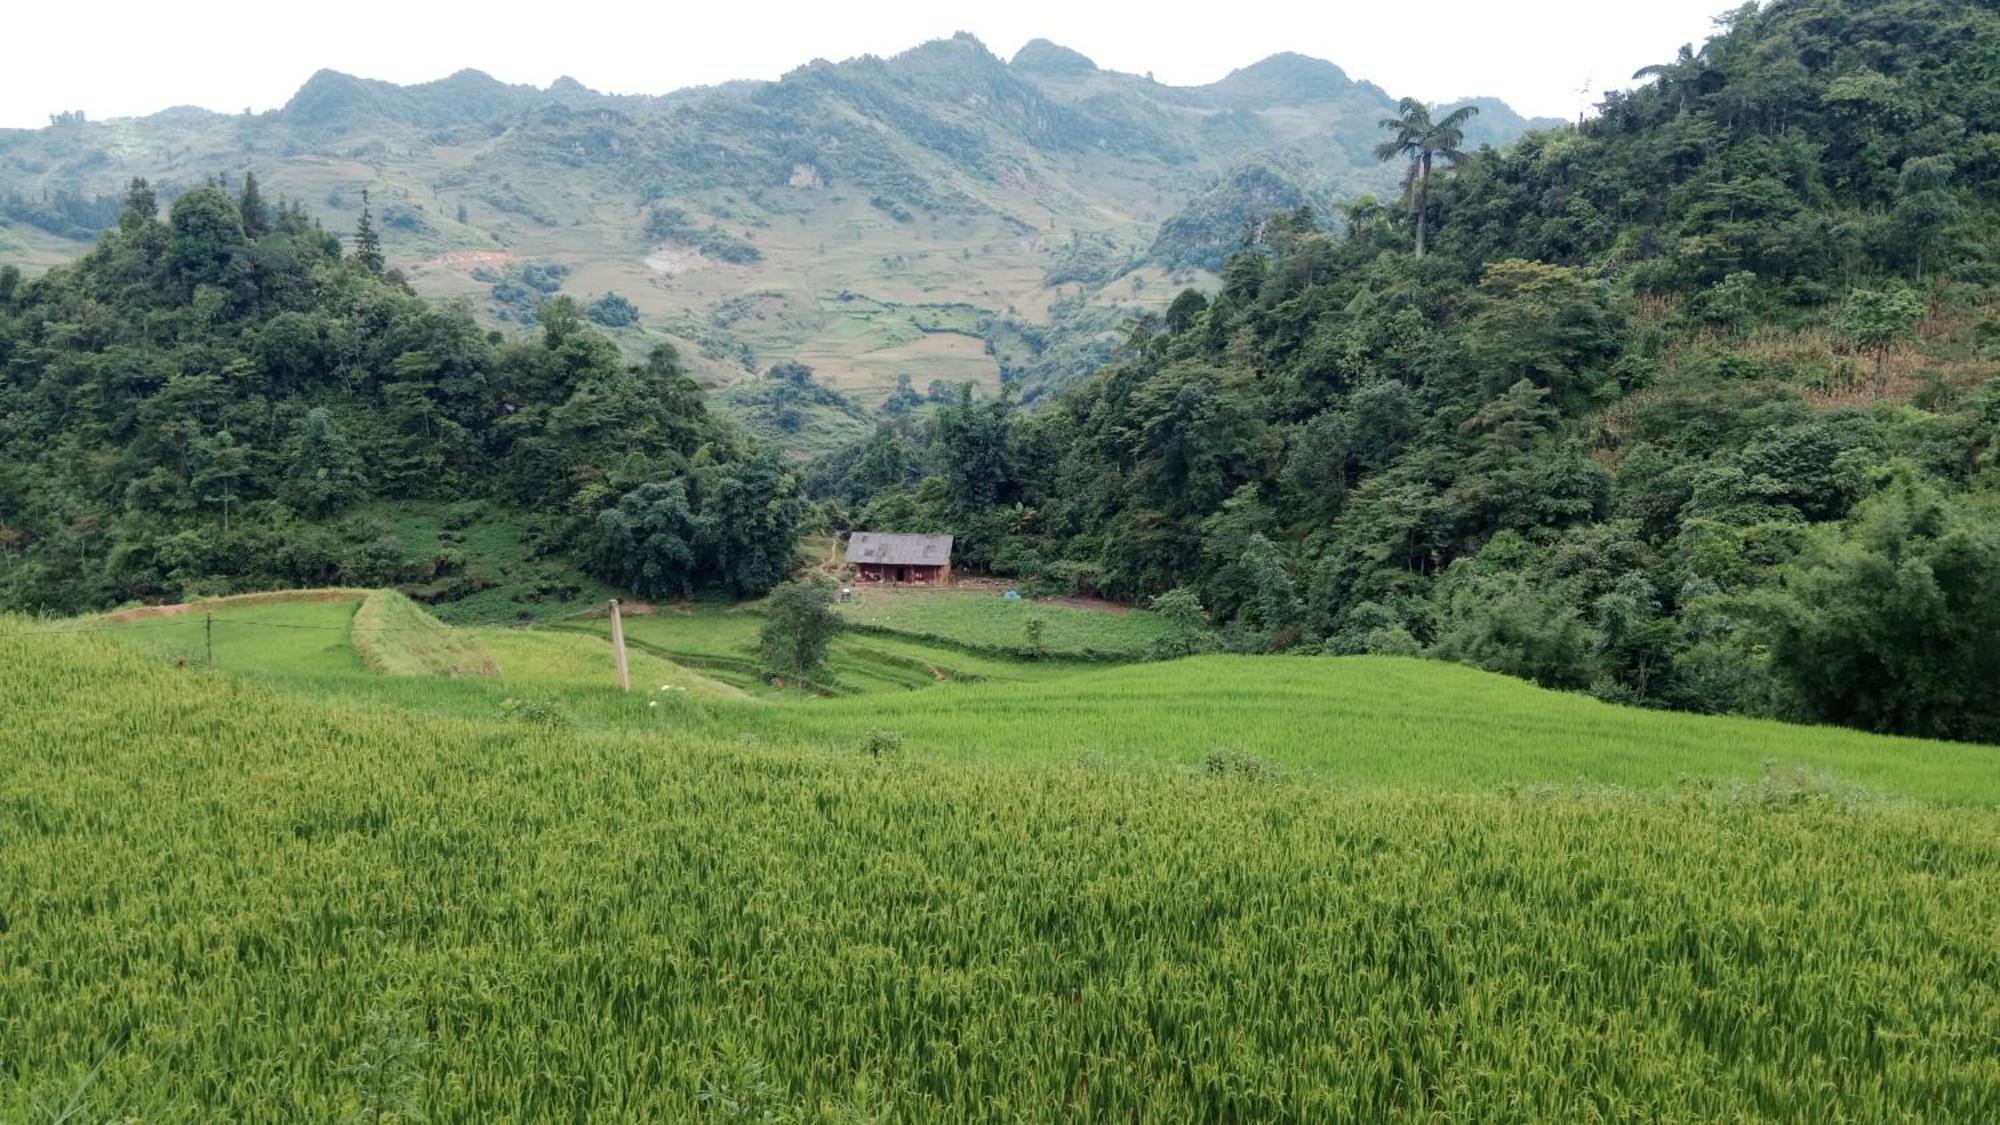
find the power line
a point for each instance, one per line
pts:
(86, 629)
(189, 619)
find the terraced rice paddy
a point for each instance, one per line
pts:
(1248, 889)
(985, 620)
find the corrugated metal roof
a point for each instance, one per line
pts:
(898, 550)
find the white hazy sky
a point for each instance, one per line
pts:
(117, 58)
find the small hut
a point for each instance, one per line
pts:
(923, 560)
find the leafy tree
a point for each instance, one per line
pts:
(973, 447)
(1547, 324)
(1188, 631)
(206, 245)
(1876, 320)
(1276, 596)
(751, 513)
(1184, 311)
(1033, 631)
(1634, 642)
(224, 469)
(799, 625)
(291, 351)
(1422, 141)
(648, 541)
(1889, 623)
(903, 399)
(325, 474)
(613, 311)
(1504, 623)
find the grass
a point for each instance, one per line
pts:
(225, 899)
(496, 581)
(722, 643)
(300, 639)
(983, 619)
(1376, 722)
(396, 638)
(1379, 722)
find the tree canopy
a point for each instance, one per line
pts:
(1611, 431)
(212, 402)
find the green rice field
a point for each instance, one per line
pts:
(983, 619)
(305, 886)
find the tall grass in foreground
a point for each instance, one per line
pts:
(224, 902)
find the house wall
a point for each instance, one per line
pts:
(927, 575)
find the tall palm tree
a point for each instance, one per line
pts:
(1420, 141)
(1677, 75)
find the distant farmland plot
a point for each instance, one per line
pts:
(984, 619)
(1375, 721)
(723, 644)
(1382, 721)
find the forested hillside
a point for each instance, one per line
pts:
(939, 214)
(214, 401)
(1694, 406)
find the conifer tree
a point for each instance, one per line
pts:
(256, 216)
(141, 205)
(367, 243)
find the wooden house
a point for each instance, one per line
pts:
(923, 560)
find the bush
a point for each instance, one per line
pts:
(1237, 764)
(800, 625)
(882, 743)
(613, 311)
(535, 713)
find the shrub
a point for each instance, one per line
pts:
(535, 713)
(882, 743)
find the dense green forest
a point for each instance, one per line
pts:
(1693, 406)
(212, 401)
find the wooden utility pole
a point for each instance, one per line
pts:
(208, 636)
(618, 649)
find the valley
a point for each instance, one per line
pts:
(949, 588)
(814, 219)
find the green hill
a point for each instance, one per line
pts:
(736, 220)
(1694, 404)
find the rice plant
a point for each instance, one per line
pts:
(284, 908)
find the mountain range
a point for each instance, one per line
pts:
(942, 214)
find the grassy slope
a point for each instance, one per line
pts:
(302, 639)
(1382, 720)
(983, 619)
(394, 637)
(723, 644)
(219, 899)
(491, 546)
(1376, 721)
(309, 644)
